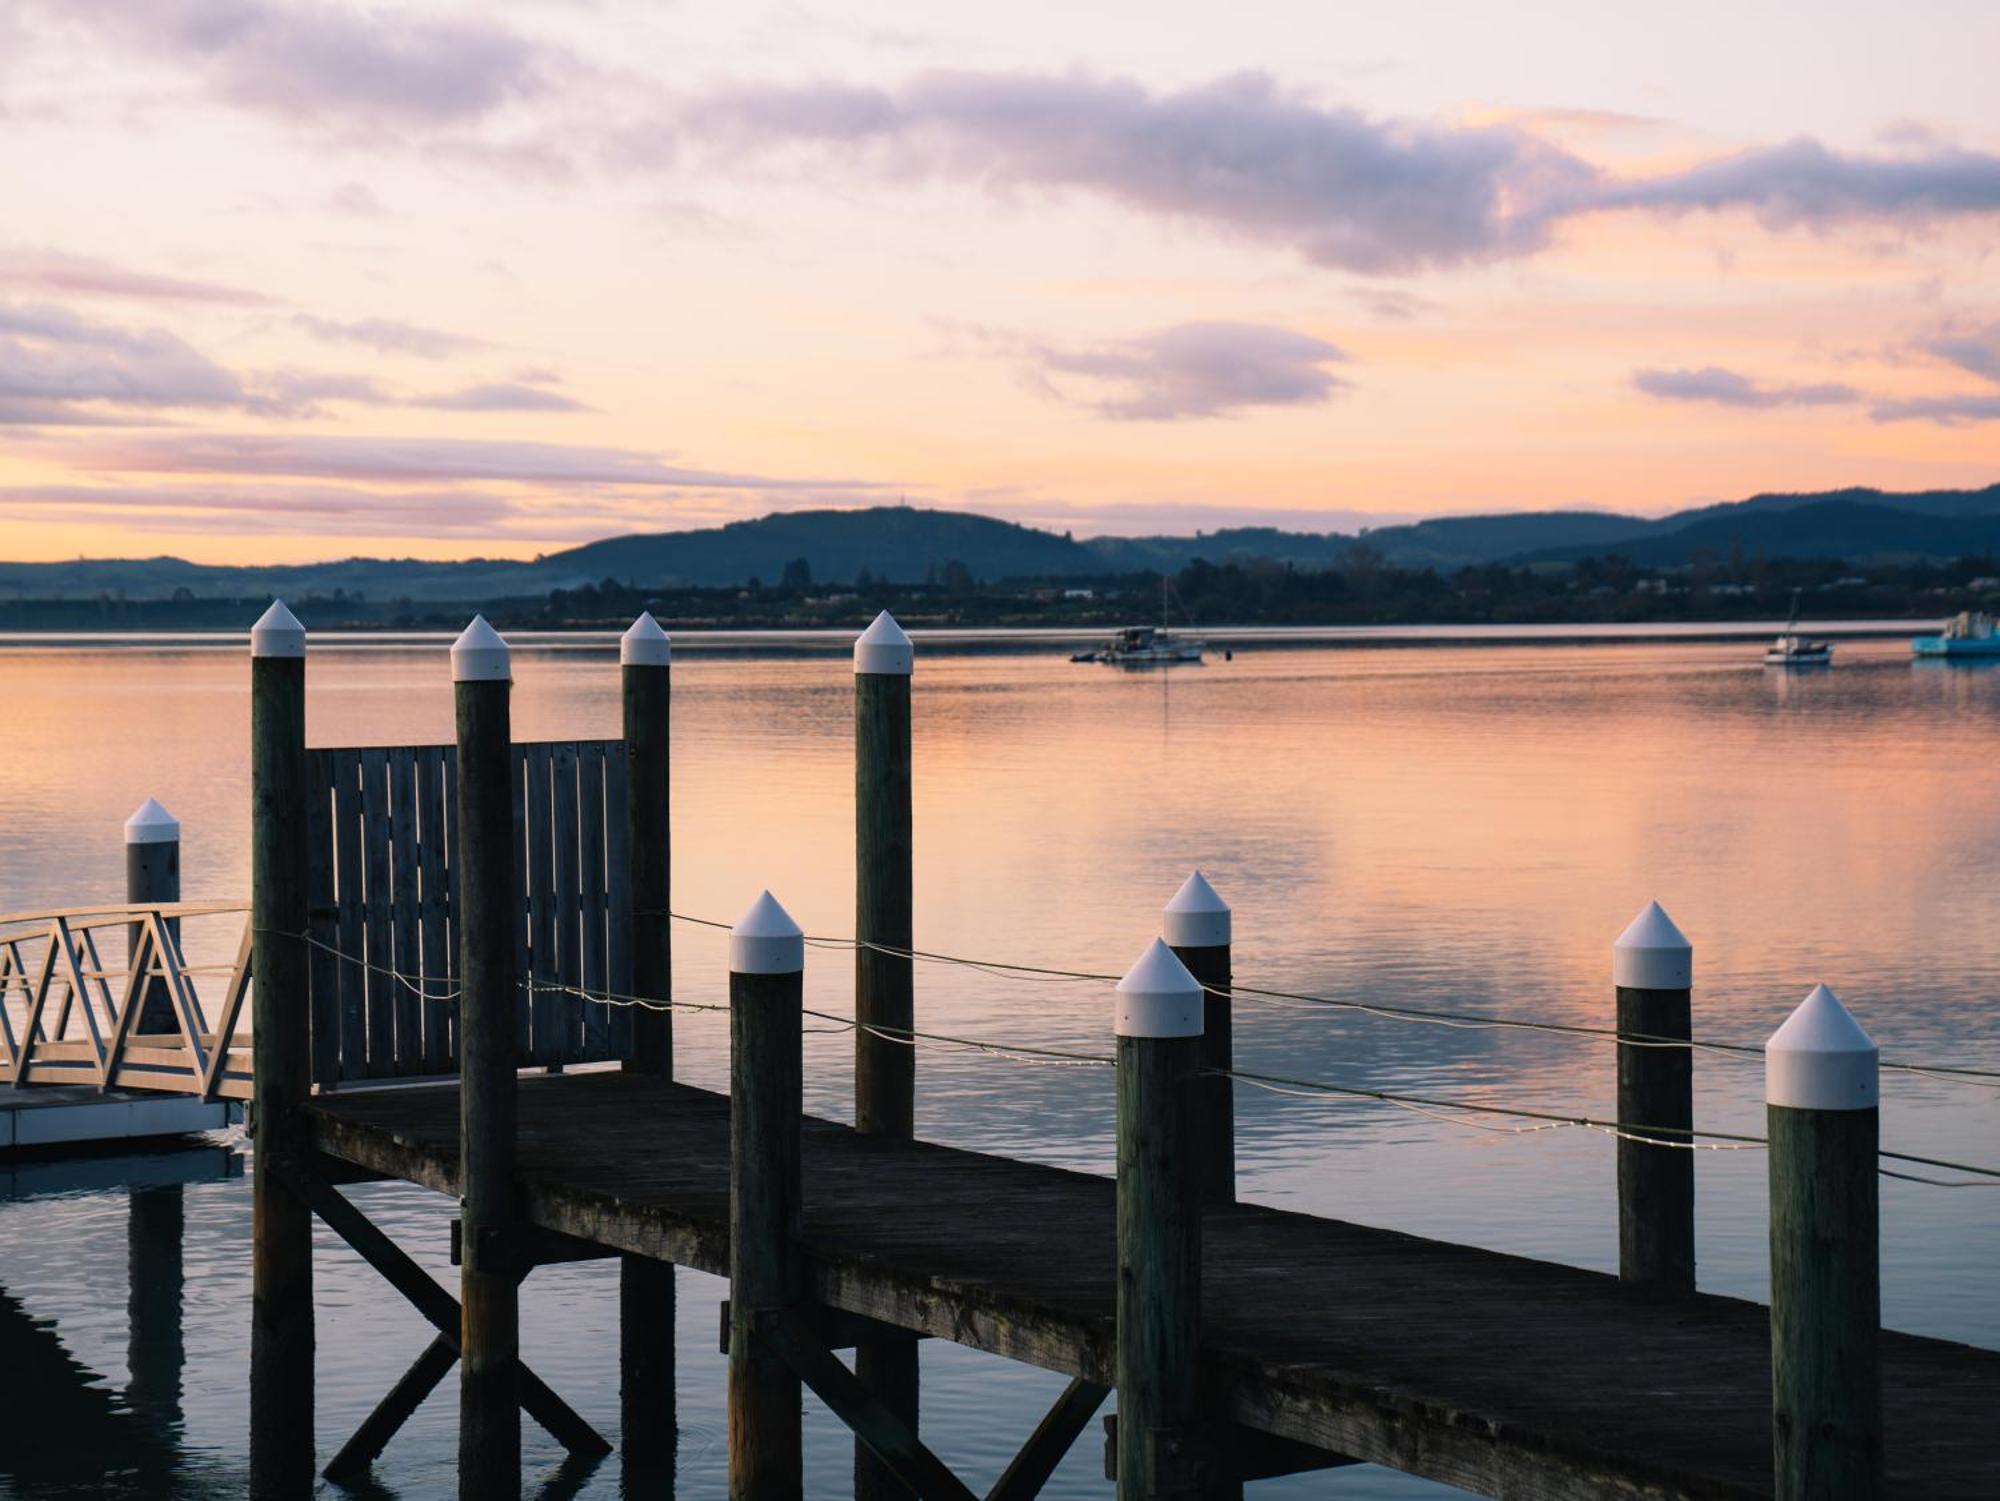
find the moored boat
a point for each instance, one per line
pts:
(1146, 646)
(1793, 650)
(1967, 634)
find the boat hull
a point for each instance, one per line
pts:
(1948, 646)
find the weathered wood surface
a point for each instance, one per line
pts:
(1656, 1184)
(1496, 1373)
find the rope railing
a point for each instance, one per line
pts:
(1742, 1051)
(1445, 1110)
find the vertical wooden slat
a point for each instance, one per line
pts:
(323, 969)
(526, 893)
(376, 830)
(541, 910)
(618, 894)
(566, 889)
(346, 770)
(450, 760)
(533, 859)
(596, 1039)
(434, 956)
(409, 1047)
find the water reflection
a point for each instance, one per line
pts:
(1439, 827)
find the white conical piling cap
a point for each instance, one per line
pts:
(480, 655)
(1158, 997)
(1652, 954)
(1196, 918)
(766, 941)
(277, 633)
(152, 824)
(645, 644)
(885, 648)
(1820, 1059)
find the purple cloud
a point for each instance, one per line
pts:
(1241, 154)
(59, 274)
(388, 336)
(1198, 370)
(503, 396)
(52, 359)
(1805, 182)
(1974, 349)
(1342, 187)
(386, 460)
(324, 63)
(1947, 411)
(1730, 388)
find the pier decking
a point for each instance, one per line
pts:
(1504, 1375)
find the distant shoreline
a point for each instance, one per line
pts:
(793, 641)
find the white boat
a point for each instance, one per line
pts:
(1793, 650)
(1148, 645)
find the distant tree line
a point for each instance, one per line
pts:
(1362, 589)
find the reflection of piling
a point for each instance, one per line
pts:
(1196, 927)
(766, 1081)
(152, 878)
(1652, 966)
(884, 989)
(281, 1310)
(155, 1349)
(489, 1417)
(1159, 1020)
(646, 1286)
(1823, 1121)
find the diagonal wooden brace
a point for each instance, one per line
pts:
(789, 1335)
(1050, 1441)
(442, 1310)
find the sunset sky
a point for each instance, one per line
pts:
(302, 280)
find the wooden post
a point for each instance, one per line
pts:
(645, 1286)
(1158, 1022)
(1196, 927)
(1652, 966)
(884, 987)
(1823, 1120)
(489, 1415)
(281, 1296)
(766, 1080)
(152, 876)
(155, 1348)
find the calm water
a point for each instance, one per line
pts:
(1461, 827)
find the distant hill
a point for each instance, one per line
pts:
(908, 544)
(900, 543)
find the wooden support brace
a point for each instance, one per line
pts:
(394, 1410)
(1050, 1441)
(835, 1328)
(539, 1247)
(1230, 1452)
(441, 1308)
(790, 1336)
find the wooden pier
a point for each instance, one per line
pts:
(1499, 1374)
(497, 914)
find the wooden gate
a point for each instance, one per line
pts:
(381, 846)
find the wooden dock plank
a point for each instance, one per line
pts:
(409, 1049)
(1496, 1373)
(353, 977)
(378, 913)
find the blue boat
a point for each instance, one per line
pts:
(1968, 634)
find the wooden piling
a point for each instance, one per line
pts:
(1196, 926)
(155, 1348)
(884, 986)
(281, 1296)
(766, 1079)
(489, 1416)
(152, 877)
(1159, 1029)
(1821, 1075)
(646, 1286)
(1652, 968)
